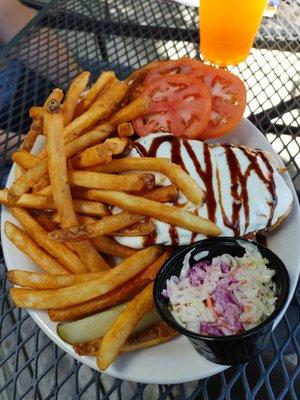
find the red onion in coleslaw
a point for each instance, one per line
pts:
(225, 296)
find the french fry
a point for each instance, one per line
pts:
(119, 332)
(100, 109)
(75, 294)
(53, 126)
(96, 135)
(140, 228)
(24, 182)
(73, 95)
(99, 154)
(36, 112)
(40, 184)
(56, 95)
(38, 170)
(105, 244)
(24, 158)
(110, 246)
(132, 164)
(151, 336)
(97, 88)
(184, 182)
(39, 202)
(97, 180)
(36, 129)
(117, 145)
(122, 293)
(174, 172)
(45, 281)
(27, 180)
(103, 227)
(163, 194)
(130, 111)
(125, 130)
(24, 243)
(44, 218)
(57, 165)
(142, 206)
(59, 251)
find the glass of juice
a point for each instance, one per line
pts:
(228, 29)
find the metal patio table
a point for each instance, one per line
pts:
(69, 35)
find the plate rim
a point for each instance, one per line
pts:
(90, 361)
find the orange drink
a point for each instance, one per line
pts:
(228, 29)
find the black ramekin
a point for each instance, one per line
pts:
(233, 349)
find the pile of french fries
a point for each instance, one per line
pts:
(62, 197)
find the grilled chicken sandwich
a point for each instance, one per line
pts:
(245, 194)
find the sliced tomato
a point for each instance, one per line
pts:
(229, 99)
(179, 104)
(227, 90)
(185, 66)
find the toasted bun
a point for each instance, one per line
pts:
(155, 334)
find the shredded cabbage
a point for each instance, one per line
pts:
(225, 296)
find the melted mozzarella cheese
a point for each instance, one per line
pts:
(259, 197)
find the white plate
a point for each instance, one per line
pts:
(175, 361)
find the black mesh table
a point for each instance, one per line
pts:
(69, 35)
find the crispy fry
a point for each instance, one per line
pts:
(140, 228)
(132, 164)
(103, 227)
(39, 202)
(100, 109)
(24, 243)
(174, 172)
(59, 251)
(125, 130)
(36, 129)
(56, 95)
(142, 206)
(162, 194)
(24, 158)
(40, 184)
(27, 180)
(99, 154)
(60, 188)
(97, 180)
(37, 171)
(36, 112)
(155, 334)
(105, 244)
(73, 95)
(130, 111)
(65, 297)
(44, 218)
(184, 182)
(110, 246)
(122, 293)
(119, 332)
(98, 87)
(44, 281)
(57, 166)
(117, 145)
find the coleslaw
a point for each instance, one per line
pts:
(225, 296)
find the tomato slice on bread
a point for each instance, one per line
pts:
(179, 104)
(227, 90)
